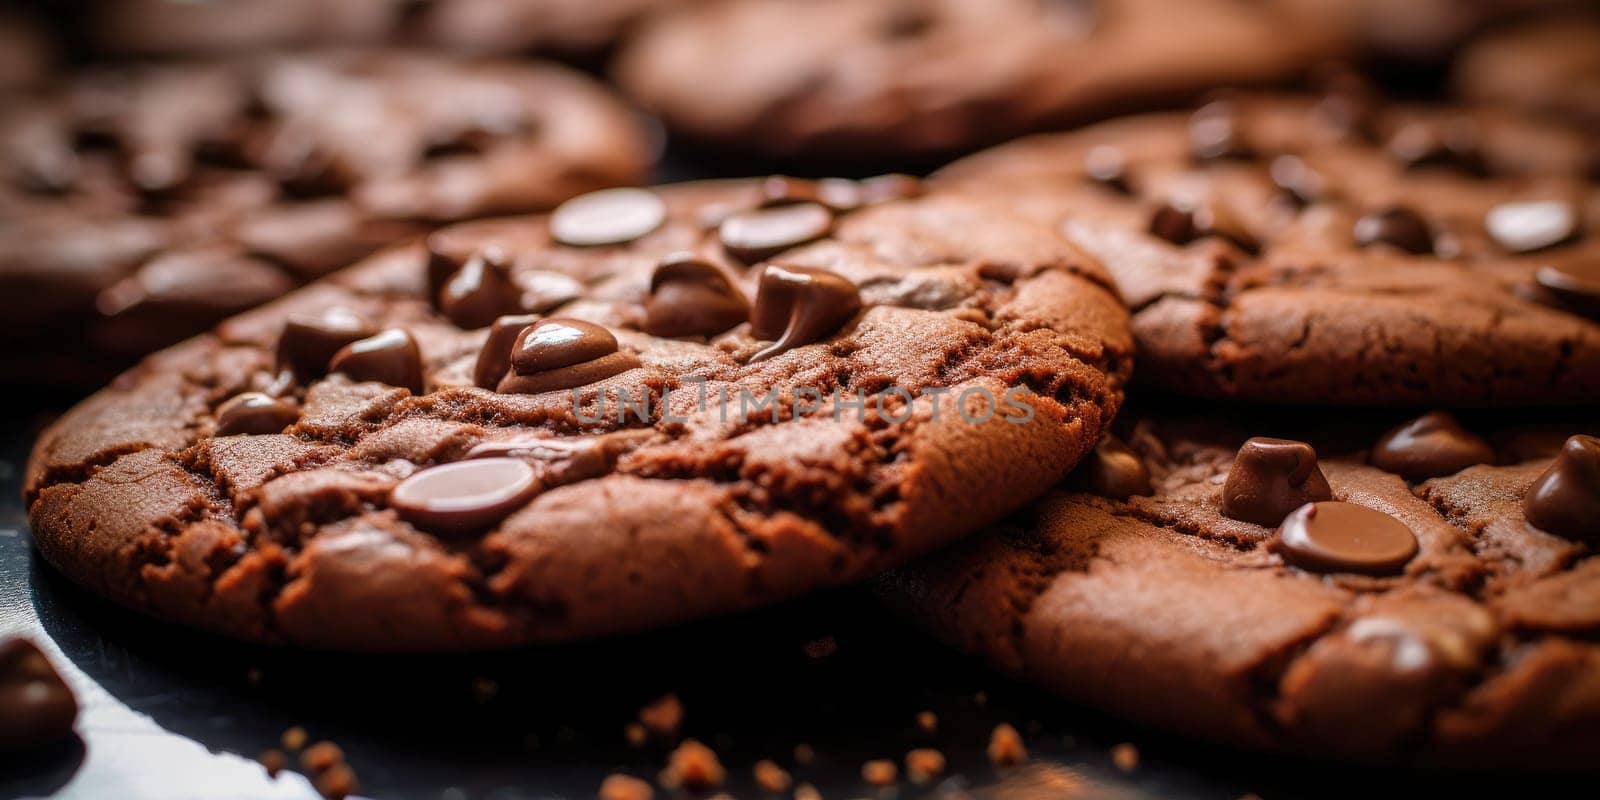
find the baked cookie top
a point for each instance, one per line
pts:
(1362, 614)
(847, 79)
(1334, 249)
(142, 204)
(1547, 64)
(647, 407)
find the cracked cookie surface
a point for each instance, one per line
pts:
(293, 535)
(1480, 651)
(1334, 249)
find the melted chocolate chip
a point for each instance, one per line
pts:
(481, 290)
(1396, 226)
(255, 414)
(1576, 284)
(494, 360)
(1107, 166)
(1114, 470)
(1270, 478)
(1344, 537)
(308, 343)
(796, 306)
(390, 357)
(691, 297)
(1529, 226)
(1565, 499)
(1216, 132)
(36, 706)
(466, 496)
(1430, 446)
(562, 460)
(751, 236)
(555, 354)
(607, 217)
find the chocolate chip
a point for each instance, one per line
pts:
(1174, 223)
(1107, 166)
(308, 343)
(751, 236)
(555, 354)
(466, 496)
(36, 706)
(1270, 478)
(1565, 499)
(796, 306)
(1181, 222)
(1344, 537)
(441, 267)
(1576, 284)
(563, 460)
(1298, 181)
(1396, 226)
(691, 297)
(390, 357)
(1430, 446)
(1529, 226)
(494, 360)
(1216, 132)
(481, 290)
(1452, 144)
(886, 188)
(606, 217)
(255, 414)
(1114, 470)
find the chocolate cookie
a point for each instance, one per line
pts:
(647, 407)
(141, 205)
(1298, 595)
(1548, 64)
(862, 78)
(1334, 249)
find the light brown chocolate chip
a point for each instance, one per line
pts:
(1270, 478)
(481, 290)
(465, 496)
(255, 414)
(1333, 536)
(1565, 499)
(308, 343)
(607, 217)
(555, 354)
(390, 357)
(494, 360)
(691, 297)
(1430, 446)
(751, 236)
(796, 306)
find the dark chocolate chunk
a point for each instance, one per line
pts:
(36, 706)
(255, 414)
(1181, 222)
(390, 357)
(1174, 223)
(1524, 227)
(465, 496)
(308, 343)
(1430, 446)
(1575, 283)
(558, 353)
(751, 236)
(796, 306)
(1215, 132)
(691, 297)
(1396, 226)
(1114, 470)
(1270, 478)
(609, 216)
(481, 290)
(1333, 536)
(494, 360)
(1565, 499)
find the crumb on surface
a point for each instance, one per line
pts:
(928, 722)
(663, 717)
(635, 734)
(693, 766)
(1005, 746)
(770, 777)
(879, 772)
(321, 757)
(1125, 756)
(806, 791)
(924, 764)
(803, 754)
(294, 738)
(820, 648)
(617, 786)
(274, 761)
(338, 782)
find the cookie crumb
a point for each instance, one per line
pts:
(663, 717)
(927, 722)
(635, 734)
(321, 757)
(693, 766)
(1125, 756)
(879, 772)
(1005, 746)
(625, 787)
(771, 777)
(803, 754)
(806, 791)
(924, 764)
(274, 761)
(338, 782)
(820, 649)
(294, 739)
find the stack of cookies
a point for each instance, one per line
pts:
(1267, 417)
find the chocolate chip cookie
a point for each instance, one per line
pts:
(1334, 249)
(647, 407)
(854, 79)
(140, 205)
(1549, 65)
(1426, 595)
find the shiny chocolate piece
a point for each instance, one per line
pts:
(1114, 470)
(1430, 446)
(255, 414)
(494, 360)
(1174, 223)
(555, 354)
(1528, 226)
(1107, 166)
(1396, 226)
(481, 290)
(751, 236)
(1270, 478)
(1215, 132)
(607, 217)
(464, 497)
(691, 297)
(796, 306)
(390, 357)
(308, 343)
(441, 267)
(1575, 283)
(1333, 536)
(1565, 499)
(36, 706)
(563, 460)
(1181, 222)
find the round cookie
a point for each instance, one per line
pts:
(142, 204)
(1386, 622)
(855, 79)
(444, 448)
(1334, 249)
(1546, 64)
